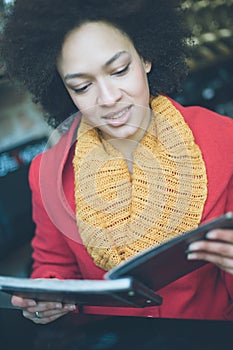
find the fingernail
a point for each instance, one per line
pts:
(191, 256)
(32, 303)
(193, 246)
(70, 307)
(58, 306)
(211, 234)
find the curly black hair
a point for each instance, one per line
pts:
(36, 29)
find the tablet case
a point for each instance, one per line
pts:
(133, 283)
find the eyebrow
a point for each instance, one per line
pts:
(107, 64)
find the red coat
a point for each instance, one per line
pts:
(206, 293)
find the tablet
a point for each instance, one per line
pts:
(158, 266)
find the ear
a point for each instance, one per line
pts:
(147, 66)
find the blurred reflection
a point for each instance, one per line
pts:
(23, 134)
(20, 119)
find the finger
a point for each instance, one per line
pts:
(44, 317)
(222, 262)
(214, 247)
(221, 235)
(50, 313)
(44, 306)
(21, 302)
(70, 307)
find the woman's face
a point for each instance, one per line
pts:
(106, 79)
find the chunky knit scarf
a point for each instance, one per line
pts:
(120, 214)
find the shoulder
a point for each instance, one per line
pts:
(52, 161)
(208, 127)
(200, 118)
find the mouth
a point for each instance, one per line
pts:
(119, 117)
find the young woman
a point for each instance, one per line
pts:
(134, 168)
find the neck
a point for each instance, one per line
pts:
(128, 145)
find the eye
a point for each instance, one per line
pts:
(122, 71)
(82, 89)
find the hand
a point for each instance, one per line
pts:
(41, 312)
(217, 249)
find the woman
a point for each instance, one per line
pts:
(132, 170)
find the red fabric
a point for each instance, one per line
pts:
(207, 293)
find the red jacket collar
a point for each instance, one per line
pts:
(51, 187)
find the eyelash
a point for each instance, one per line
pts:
(118, 73)
(123, 70)
(82, 89)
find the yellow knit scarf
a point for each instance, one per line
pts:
(120, 214)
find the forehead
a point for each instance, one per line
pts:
(95, 41)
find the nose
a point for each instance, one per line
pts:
(108, 93)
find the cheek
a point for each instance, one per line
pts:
(144, 81)
(85, 102)
(81, 102)
(89, 112)
(139, 83)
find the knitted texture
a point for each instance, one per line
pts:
(121, 214)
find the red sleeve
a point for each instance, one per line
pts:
(227, 276)
(52, 256)
(229, 204)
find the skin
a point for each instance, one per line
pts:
(105, 76)
(218, 249)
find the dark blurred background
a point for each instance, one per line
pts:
(23, 133)
(210, 83)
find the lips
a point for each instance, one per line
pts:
(118, 118)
